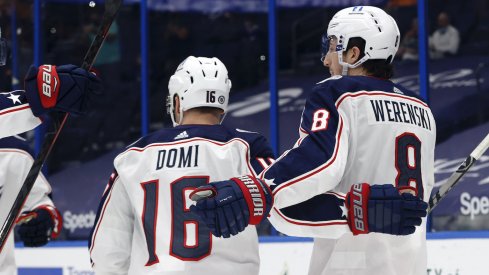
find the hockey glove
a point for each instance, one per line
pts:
(65, 88)
(382, 209)
(227, 207)
(39, 226)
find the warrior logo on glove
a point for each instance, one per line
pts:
(255, 196)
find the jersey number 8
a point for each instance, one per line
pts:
(408, 163)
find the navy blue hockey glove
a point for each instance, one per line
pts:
(227, 207)
(39, 226)
(382, 209)
(65, 88)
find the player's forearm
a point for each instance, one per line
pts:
(305, 177)
(323, 216)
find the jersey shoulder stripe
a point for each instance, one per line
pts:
(218, 134)
(333, 90)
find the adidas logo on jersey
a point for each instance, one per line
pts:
(397, 91)
(181, 135)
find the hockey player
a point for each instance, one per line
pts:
(358, 128)
(66, 88)
(144, 225)
(40, 221)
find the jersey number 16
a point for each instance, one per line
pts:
(189, 241)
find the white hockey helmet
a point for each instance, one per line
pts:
(375, 26)
(198, 82)
(3, 50)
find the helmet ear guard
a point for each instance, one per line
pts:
(177, 85)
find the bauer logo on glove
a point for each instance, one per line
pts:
(48, 79)
(65, 88)
(383, 209)
(359, 207)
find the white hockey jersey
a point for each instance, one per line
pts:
(144, 225)
(354, 130)
(15, 114)
(15, 162)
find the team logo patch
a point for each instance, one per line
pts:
(221, 99)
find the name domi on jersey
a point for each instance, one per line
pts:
(182, 157)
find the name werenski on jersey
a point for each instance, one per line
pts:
(395, 111)
(181, 157)
(255, 195)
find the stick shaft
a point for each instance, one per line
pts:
(458, 174)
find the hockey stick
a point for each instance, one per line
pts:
(457, 175)
(111, 9)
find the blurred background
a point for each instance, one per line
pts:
(156, 35)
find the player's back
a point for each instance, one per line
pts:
(391, 139)
(158, 173)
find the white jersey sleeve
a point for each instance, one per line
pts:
(114, 235)
(15, 114)
(16, 160)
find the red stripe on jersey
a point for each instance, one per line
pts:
(336, 222)
(15, 109)
(185, 141)
(320, 168)
(299, 141)
(263, 163)
(16, 151)
(340, 196)
(346, 95)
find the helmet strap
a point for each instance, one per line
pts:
(345, 66)
(180, 113)
(222, 118)
(172, 111)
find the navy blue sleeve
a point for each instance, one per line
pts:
(302, 179)
(315, 164)
(16, 142)
(324, 207)
(261, 153)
